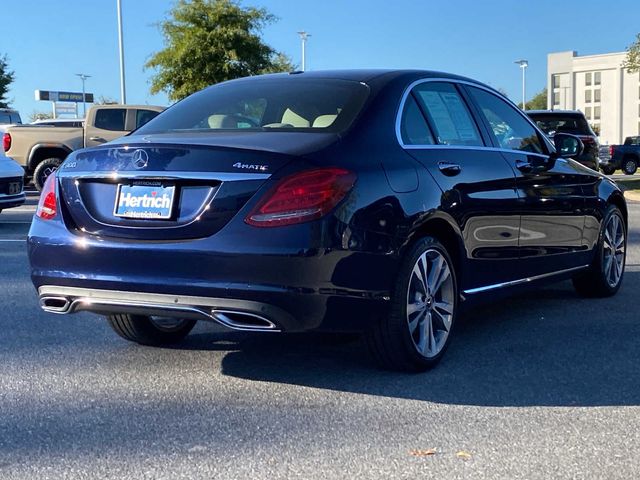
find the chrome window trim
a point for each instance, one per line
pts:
(420, 81)
(522, 281)
(162, 175)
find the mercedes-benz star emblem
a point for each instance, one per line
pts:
(140, 159)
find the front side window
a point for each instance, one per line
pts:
(111, 119)
(448, 114)
(511, 130)
(413, 126)
(288, 103)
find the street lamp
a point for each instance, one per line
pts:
(523, 65)
(83, 77)
(123, 93)
(303, 36)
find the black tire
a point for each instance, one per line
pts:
(391, 340)
(45, 168)
(608, 170)
(629, 166)
(596, 281)
(148, 330)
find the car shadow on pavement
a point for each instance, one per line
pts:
(548, 348)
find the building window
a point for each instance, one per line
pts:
(596, 78)
(587, 79)
(587, 113)
(596, 95)
(587, 96)
(556, 98)
(555, 81)
(596, 113)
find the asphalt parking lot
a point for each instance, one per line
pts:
(544, 385)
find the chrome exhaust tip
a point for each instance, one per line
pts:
(59, 305)
(243, 320)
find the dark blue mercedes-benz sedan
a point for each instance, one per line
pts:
(373, 201)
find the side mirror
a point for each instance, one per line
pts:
(567, 145)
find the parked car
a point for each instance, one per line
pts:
(9, 116)
(624, 157)
(41, 150)
(375, 201)
(11, 183)
(575, 123)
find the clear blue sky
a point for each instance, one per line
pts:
(47, 41)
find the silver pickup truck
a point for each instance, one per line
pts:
(41, 149)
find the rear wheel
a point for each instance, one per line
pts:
(416, 333)
(43, 170)
(154, 331)
(604, 276)
(629, 166)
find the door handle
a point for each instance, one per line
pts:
(97, 139)
(449, 169)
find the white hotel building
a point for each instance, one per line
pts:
(599, 87)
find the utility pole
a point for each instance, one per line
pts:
(83, 77)
(123, 93)
(303, 37)
(523, 65)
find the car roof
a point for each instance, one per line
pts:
(361, 75)
(554, 112)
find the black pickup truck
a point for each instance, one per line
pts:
(625, 157)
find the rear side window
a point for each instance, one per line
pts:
(448, 114)
(111, 119)
(143, 116)
(413, 126)
(510, 128)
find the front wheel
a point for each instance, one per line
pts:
(604, 276)
(154, 331)
(629, 166)
(608, 170)
(416, 333)
(43, 170)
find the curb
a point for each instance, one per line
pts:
(633, 195)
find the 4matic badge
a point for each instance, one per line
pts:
(246, 166)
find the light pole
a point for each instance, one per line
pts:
(123, 93)
(303, 36)
(83, 77)
(523, 65)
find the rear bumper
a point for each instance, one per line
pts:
(295, 289)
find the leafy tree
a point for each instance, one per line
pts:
(6, 78)
(539, 102)
(632, 62)
(209, 41)
(35, 115)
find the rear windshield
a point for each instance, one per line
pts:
(280, 104)
(552, 124)
(632, 141)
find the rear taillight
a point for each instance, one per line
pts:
(6, 142)
(612, 149)
(302, 197)
(48, 204)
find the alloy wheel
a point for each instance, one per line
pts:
(614, 250)
(430, 303)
